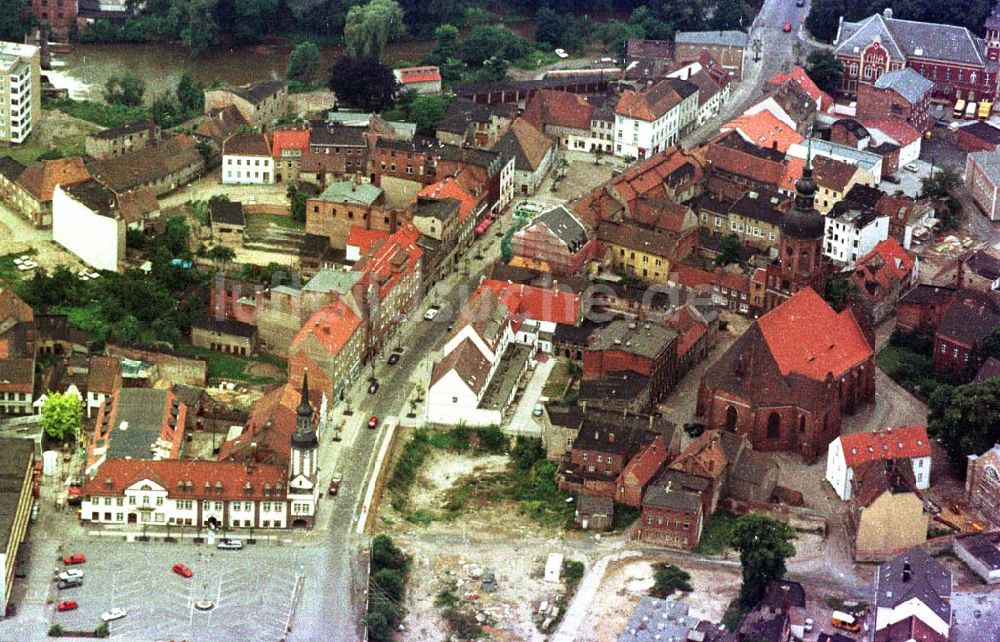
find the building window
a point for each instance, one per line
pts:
(159, 501)
(773, 425)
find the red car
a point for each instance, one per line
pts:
(787, 28)
(68, 605)
(182, 570)
(373, 421)
(75, 558)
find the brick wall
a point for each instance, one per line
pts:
(175, 368)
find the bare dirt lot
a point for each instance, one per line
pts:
(625, 583)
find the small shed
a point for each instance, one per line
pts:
(594, 513)
(228, 221)
(553, 567)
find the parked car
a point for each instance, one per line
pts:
(891, 178)
(70, 583)
(75, 558)
(373, 387)
(787, 27)
(373, 421)
(394, 358)
(538, 410)
(844, 621)
(113, 614)
(335, 485)
(230, 544)
(70, 573)
(431, 313)
(562, 53)
(182, 570)
(67, 605)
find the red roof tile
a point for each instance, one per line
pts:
(559, 108)
(893, 443)
(40, 179)
(541, 304)
(205, 477)
(806, 336)
(650, 104)
(332, 325)
(741, 163)
(798, 75)
(763, 129)
(894, 128)
(410, 75)
(364, 239)
(644, 466)
(289, 139)
(450, 188)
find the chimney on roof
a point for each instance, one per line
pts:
(907, 573)
(611, 437)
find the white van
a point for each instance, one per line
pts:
(230, 544)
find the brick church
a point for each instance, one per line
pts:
(787, 382)
(960, 64)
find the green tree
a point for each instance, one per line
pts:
(175, 237)
(613, 34)
(190, 95)
(221, 255)
(427, 111)
(940, 184)
(966, 419)
(297, 203)
(825, 70)
(390, 583)
(124, 89)
(764, 545)
(165, 110)
(841, 292)
(385, 554)
(15, 20)
(550, 27)
(370, 26)
(668, 578)
(303, 65)
(446, 44)
(990, 346)
(824, 18)
(200, 29)
(729, 250)
(490, 42)
(730, 14)
(62, 416)
(363, 83)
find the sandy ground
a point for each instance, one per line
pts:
(441, 472)
(627, 581)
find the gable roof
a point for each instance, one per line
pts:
(289, 139)
(561, 223)
(907, 442)
(909, 38)
(533, 302)
(906, 82)
(218, 124)
(893, 128)
(146, 165)
(881, 270)
(257, 92)
(652, 103)
(764, 129)
(104, 374)
(124, 130)
(526, 144)
(927, 581)
(246, 144)
(468, 362)
(411, 75)
(40, 179)
(332, 326)
(365, 239)
(227, 213)
(806, 336)
(450, 188)
(798, 75)
(970, 318)
(221, 480)
(559, 108)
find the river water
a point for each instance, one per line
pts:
(85, 69)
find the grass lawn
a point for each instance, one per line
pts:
(101, 113)
(558, 379)
(9, 272)
(715, 537)
(228, 367)
(538, 58)
(912, 370)
(88, 318)
(28, 152)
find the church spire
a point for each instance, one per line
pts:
(304, 435)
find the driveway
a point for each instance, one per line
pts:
(523, 422)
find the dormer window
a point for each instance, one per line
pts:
(248, 488)
(267, 490)
(218, 488)
(208, 487)
(109, 483)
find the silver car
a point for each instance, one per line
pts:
(230, 544)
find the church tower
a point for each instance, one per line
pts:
(993, 34)
(303, 465)
(800, 248)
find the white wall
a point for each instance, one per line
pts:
(247, 170)
(836, 470)
(98, 240)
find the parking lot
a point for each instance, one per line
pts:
(252, 590)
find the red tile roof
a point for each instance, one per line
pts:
(893, 443)
(894, 128)
(644, 466)
(364, 239)
(806, 336)
(427, 73)
(559, 108)
(451, 188)
(17, 375)
(741, 163)
(798, 75)
(207, 478)
(270, 426)
(40, 179)
(650, 104)
(332, 325)
(532, 302)
(289, 139)
(763, 129)
(388, 262)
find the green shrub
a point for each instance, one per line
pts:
(385, 554)
(572, 573)
(669, 578)
(102, 630)
(390, 582)
(55, 630)
(101, 113)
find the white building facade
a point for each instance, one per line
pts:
(852, 234)
(847, 452)
(97, 237)
(20, 91)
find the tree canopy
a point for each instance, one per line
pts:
(363, 83)
(124, 89)
(764, 545)
(190, 95)
(369, 27)
(825, 70)
(15, 20)
(62, 416)
(303, 64)
(966, 419)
